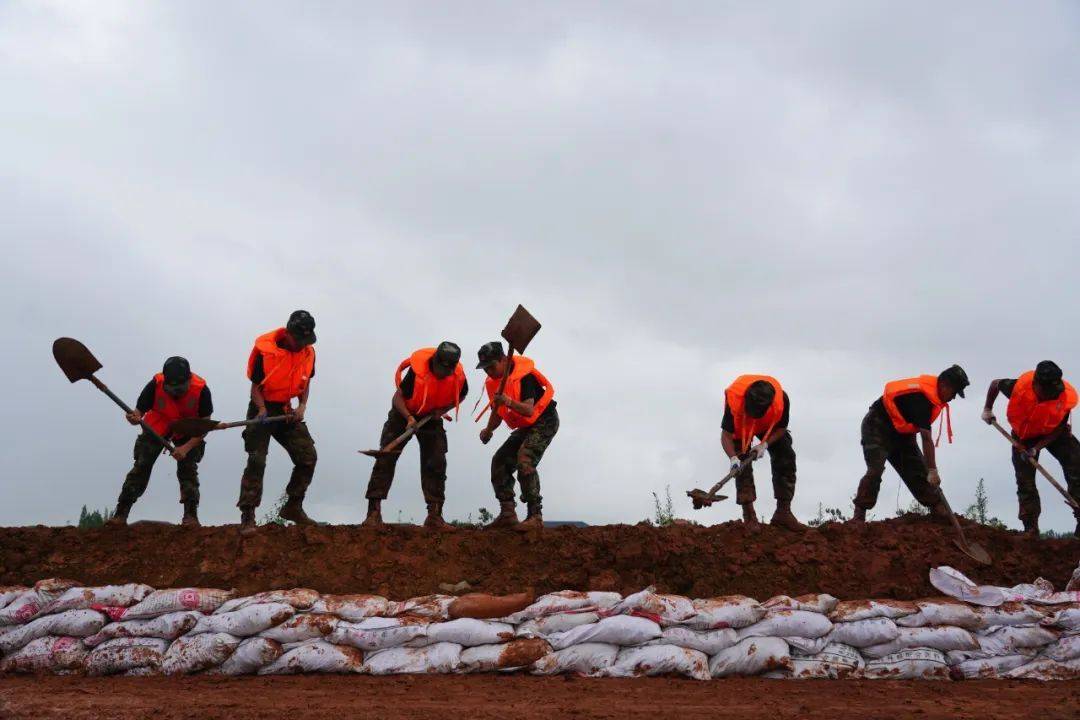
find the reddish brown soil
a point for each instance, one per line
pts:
(884, 559)
(502, 697)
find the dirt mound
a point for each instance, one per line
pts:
(882, 559)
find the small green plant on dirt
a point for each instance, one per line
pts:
(484, 517)
(273, 515)
(93, 518)
(914, 508)
(979, 510)
(663, 509)
(826, 515)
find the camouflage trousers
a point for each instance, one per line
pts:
(881, 443)
(294, 438)
(1066, 450)
(433, 447)
(147, 451)
(782, 461)
(522, 452)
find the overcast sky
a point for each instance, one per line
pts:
(838, 194)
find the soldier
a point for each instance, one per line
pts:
(908, 408)
(433, 384)
(756, 406)
(281, 367)
(527, 405)
(1040, 404)
(172, 394)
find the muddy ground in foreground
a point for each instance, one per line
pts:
(881, 559)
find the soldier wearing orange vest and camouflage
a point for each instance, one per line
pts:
(756, 406)
(172, 394)
(1040, 404)
(434, 383)
(905, 409)
(281, 367)
(527, 406)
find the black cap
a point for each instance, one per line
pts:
(956, 377)
(759, 396)
(1048, 376)
(177, 372)
(448, 354)
(489, 354)
(301, 326)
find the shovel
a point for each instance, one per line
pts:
(391, 447)
(518, 333)
(78, 363)
(703, 499)
(197, 427)
(1019, 446)
(975, 551)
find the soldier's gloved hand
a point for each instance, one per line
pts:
(933, 478)
(485, 436)
(735, 462)
(988, 416)
(759, 451)
(133, 417)
(1031, 454)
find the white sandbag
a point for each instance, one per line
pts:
(1066, 619)
(298, 598)
(560, 622)
(751, 656)
(245, 622)
(1010, 613)
(565, 601)
(352, 607)
(1066, 648)
(438, 658)
(71, 623)
(624, 630)
(937, 612)
(250, 655)
(709, 642)
(955, 584)
(467, 632)
(854, 610)
(47, 654)
(514, 655)
(9, 592)
(1047, 669)
(988, 668)
(671, 609)
(784, 623)
(1002, 640)
(116, 656)
(376, 633)
(816, 602)
(943, 638)
(588, 659)
(864, 633)
(660, 660)
(808, 646)
(160, 602)
(431, 607)
(730, 611)
(84, 598)
(145, 671)
(21, 608)
(913, 664)
(192, 653)
(316, 656)
(169, 627)
(834, 662)
(302, 627)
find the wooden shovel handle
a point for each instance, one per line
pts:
(254, 421)
(1069, 499)
(146, 428)
(502, 385)
(409, 432)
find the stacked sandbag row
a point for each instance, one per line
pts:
(58, 626)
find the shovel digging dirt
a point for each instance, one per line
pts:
(973, 550)
(518, 333)
(703, 499)
(393, 447)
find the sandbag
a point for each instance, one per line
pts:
(1066, 648)
(483, 606)
(302, 627)
(808, 646)
(298, 598)
(955, 584)
(709, 642)
(193, 653)
(1010, 613)
(516, 654)
(941, 612)
(751, 656)
(467, 632)
(26, 605)
(9, 593)
(160, 602)
(671, 609)
(84, 598)
(316, 656)
(352, 607)
(623, 630)
(250, 655)
(1002, 640)
(1065, 619)
(864, 633)
(1047, 669)
(848, 611)
(941, 638)
(169, 627)
(375, 633)
(120, 654)
(431, 607)
(834, 662)
(912, 664)
(660, 660)
(46, 654)
(245, 622)
(987, 668)
(71, 623)
(816, 602)
(587, 659)
(564, 601)
(795, 623)
(438, 658)
(560, 622)
(730, 611)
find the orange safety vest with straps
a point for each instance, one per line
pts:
(1031, 417)
(925, 384)
(168, 409)
(522, 367)
(285, 374)
(746, 427)
(430, 392)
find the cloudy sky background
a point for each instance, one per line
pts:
(838, 194)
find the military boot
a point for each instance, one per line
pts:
(749, 517)
(507, 517)
(293, 510)
(120, 517)
(1031, 528)
(247, 521)
(434, 520)
(859, 517)
(374, 514)
(784, 518)
(533, 521)
(191, 515)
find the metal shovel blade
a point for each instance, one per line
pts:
(379, 453)
(702, 499)
(520, 329)
(77, 362)
(193, 427)
(975, 551)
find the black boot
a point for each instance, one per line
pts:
(434, 519)
(859, 517)
(119, 518)
(534, 520)
(247, 521)
(293, 510)
(507, 517)
(374, 514)
(191, 515)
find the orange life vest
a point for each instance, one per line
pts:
(430, 391)
(522, 367)
(746, 427)
(285, 374)
(1031, 417)
(925, 384)
(168, 409)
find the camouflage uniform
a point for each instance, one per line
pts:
(1066, 450)
(296, 440)
(523, 451)
(433, 448)
(881, 442)
(782, 460)
(146, 452)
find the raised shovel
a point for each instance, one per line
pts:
(1020, 446)
(392, 447)
(703, 499)
(518, 333)
(197, 427)
(78, 363)
(975, 551)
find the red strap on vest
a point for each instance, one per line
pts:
(947, 422)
